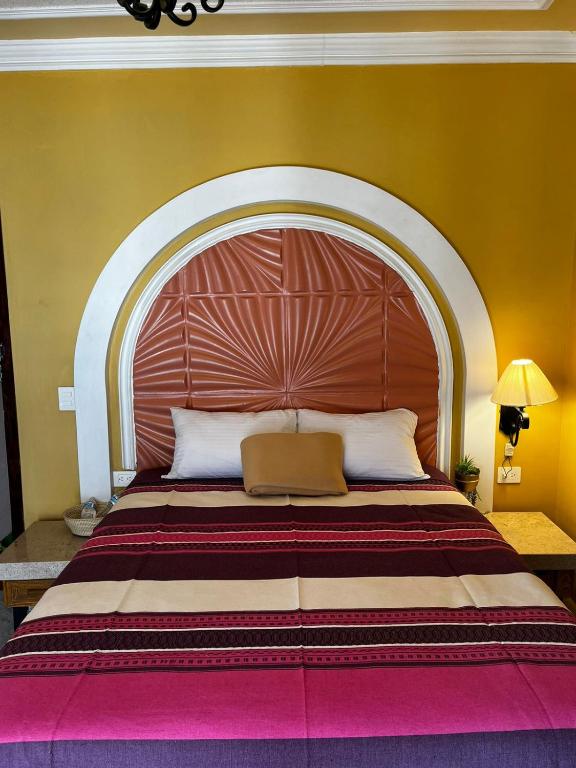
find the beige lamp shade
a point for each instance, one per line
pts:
(523, 383)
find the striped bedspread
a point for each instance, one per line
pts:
(201, 628)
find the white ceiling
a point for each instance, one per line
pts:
(30, 9)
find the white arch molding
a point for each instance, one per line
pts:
(276, 185)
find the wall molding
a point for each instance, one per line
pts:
(281, 184)
(287, 50)
(47, 9)
(345, 231)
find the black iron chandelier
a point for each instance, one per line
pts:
(151, 12)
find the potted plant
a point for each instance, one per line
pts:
(467, 475)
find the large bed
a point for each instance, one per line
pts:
(202, 627)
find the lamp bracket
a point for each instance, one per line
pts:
(512, 420)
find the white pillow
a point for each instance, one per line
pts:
(208, 444)
(376, 445)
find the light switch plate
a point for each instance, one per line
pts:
(66, 399)
(509, 475)
(123, 478)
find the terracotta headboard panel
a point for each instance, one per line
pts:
(283, 319)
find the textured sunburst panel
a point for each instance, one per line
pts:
(283, 319)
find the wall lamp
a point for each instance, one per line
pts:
(521, 384)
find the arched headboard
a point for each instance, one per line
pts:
(283, 318)
(279, 185)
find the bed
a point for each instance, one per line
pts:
(199, 626)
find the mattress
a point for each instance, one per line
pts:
(203, 628)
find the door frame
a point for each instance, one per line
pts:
(9, 402)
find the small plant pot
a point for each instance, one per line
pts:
(467, 483)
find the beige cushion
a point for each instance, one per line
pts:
(299, 464)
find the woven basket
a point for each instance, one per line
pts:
(83, 526)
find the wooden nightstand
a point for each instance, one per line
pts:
(544, 547)
(32, 562)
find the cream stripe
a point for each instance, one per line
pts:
(199, 499)
(241, 499)
(168, 596)
(512, 589)
(381, 498)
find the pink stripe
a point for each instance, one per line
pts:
(295, 618)
(289, 704)
(440, 700)
(161, 537)
(219, 660)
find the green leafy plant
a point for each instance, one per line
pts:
(467, 466)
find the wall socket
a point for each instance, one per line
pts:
(509, 475)
(66, 400)
(123, 478)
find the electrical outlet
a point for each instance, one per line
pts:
(66, 400)
(123, 478)
(509, 475)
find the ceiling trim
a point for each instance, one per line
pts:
(287, 50)
(45, 9)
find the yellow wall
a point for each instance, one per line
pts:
(566, 500)
(484, 152)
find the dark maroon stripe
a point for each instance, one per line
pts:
(194, 486)
(184, 487)
(281, 565)
(419, 485)
(252, 561)
(293, 637)
(429, 514)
